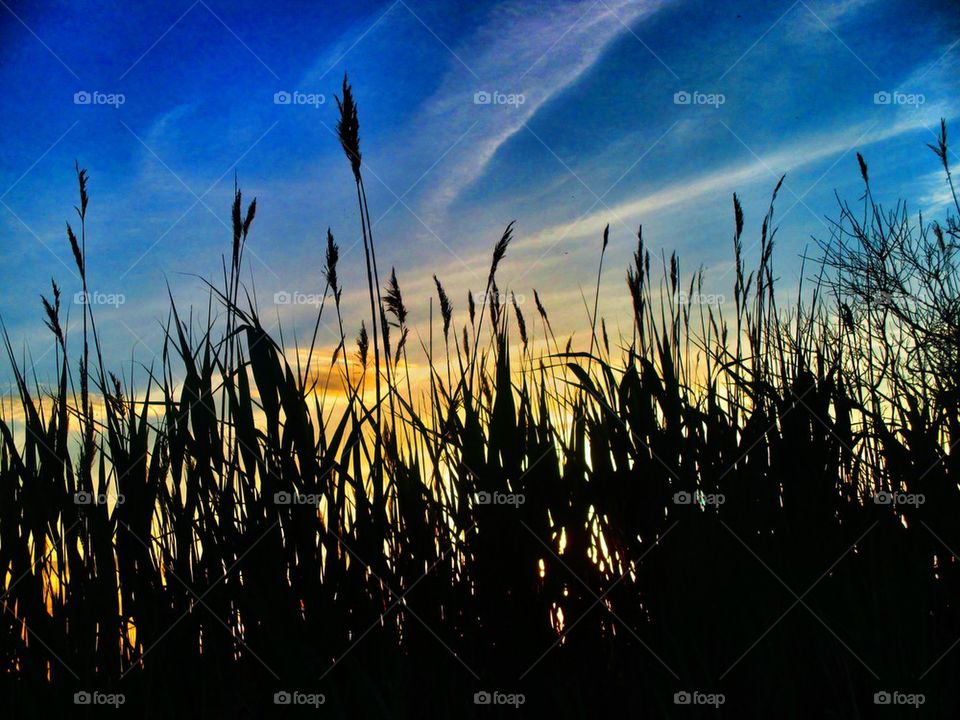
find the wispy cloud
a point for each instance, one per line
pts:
(769, 166)
(524, 51)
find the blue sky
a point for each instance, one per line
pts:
(587, 126)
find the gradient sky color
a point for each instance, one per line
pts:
(587, 124)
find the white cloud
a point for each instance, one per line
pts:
(532, 51)
(763, 168)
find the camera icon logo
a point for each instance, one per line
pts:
(282, 698)
(682, 498)
(282, 498)
(282, 298)
(682, 698)
(282, 97)
(883, 498)
(82, 497)
(482, 698)
(82, 698)
(82, 97)
(482, 97)
(882, 98)
(882, 698)
(681, 98)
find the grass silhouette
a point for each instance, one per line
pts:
(754, 510)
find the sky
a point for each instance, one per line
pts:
(561, 116)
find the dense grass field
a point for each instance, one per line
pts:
(746, 510)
